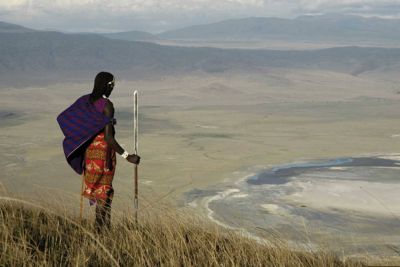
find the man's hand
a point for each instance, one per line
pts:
(135, 159)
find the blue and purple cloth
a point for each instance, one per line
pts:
(80, 123)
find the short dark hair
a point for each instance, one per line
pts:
(101, 85)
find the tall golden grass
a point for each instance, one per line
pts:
(31, 235)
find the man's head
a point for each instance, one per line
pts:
(103, 85)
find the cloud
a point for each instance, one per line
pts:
(347, 5)
(12, 4)
(71, 6)
(158, 15)
(127, 5)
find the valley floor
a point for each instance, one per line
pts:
(201, 130)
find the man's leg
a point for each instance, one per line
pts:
(103, 214)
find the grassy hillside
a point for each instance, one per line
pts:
(33, 236)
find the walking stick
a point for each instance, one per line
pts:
(82, 188)
(135, 137)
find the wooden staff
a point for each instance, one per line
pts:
(135, 137)
(82, 188)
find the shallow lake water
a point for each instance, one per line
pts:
(348, 205)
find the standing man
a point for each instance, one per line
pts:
(90, 146)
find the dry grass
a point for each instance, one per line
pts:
(34, 236)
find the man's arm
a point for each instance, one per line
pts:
(109, 135)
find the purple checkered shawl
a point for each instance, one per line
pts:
(80, 123)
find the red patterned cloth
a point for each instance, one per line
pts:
(100, 162)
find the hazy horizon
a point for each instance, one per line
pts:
(158, 16)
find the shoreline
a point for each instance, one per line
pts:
(237, 193)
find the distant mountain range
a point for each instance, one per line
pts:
(337, 28)
(41, 55)
(332, 28)
(13, 28)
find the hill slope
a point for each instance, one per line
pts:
(41, 54)
(39, 237)
(8, 27)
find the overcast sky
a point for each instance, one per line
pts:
(159, 15)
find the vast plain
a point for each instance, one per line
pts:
(201, 130)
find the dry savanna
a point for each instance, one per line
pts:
(195, 131)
